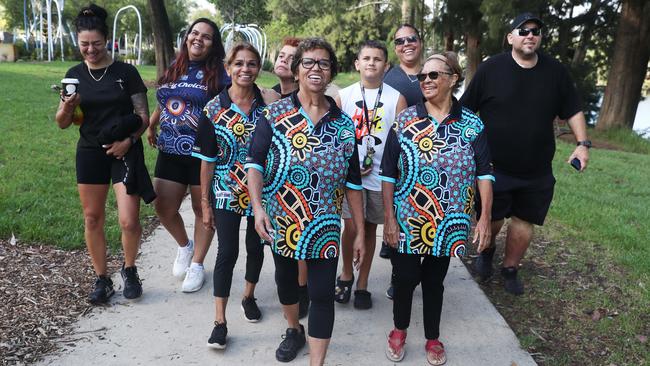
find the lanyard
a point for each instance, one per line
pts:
(365, 106)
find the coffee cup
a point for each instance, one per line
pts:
(69, 86)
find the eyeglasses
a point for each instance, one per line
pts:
(404, 40)
(433, 75)
(523, 32)
(309, 63)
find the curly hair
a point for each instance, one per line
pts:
(309, 44)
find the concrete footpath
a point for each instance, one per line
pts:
(168, 327)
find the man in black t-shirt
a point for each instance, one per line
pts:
(518, 94)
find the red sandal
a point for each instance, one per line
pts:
(435, 352)
(396, 340)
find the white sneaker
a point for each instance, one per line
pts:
(183, 259)
(194, 279)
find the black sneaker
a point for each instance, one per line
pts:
(251, 312)
(102, 292)
(390, 292)
(293, 341)
(386, 251)
(132, 283)
(218, 337)
(482, 265)
(362, 300)
(510, 281)
(303, 302)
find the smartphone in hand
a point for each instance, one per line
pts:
(575, 163)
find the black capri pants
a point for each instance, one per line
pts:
(321, 278)
(409, 270)
(227, 223)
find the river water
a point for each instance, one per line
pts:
(642, 119)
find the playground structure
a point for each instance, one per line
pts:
(42, 14)
(36, 26)
(251, 33)
(137, 41)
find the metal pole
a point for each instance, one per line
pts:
(40, 36)
(58, 10)
(50, 46)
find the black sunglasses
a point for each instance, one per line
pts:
(433, 75)
(526, 31)
(403, 40)
(309, 63)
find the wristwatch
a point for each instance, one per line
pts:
(585, 143)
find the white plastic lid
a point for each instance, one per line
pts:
(69, 81)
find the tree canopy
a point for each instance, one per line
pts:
(579, 33)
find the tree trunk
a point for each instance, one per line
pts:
(472, 47)
(407, 12)
(629, 66)
(162, 35)
(449, 40)
(585, 35)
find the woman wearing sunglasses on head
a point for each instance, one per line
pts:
(434, 158)
(302, 161)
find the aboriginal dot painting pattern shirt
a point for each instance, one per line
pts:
(223, 138)
(181, 104)
(434, 166)
(306, 167)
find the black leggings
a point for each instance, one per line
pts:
(227, 223)
(408, 271)
(321, 278)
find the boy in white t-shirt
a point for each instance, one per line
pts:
(373, 105)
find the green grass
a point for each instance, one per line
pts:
(346, 78)
(38, 195)
(608, 203)
(622, 138)
(591, 254)
(594, 252)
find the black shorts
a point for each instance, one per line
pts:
(183, 169)
(528, 199)
(95, 167)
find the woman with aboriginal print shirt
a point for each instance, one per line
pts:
(195, 77)
(223, 139)
(302, 158)
(434, 157)
(110, 94)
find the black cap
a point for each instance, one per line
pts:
(524, 18)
